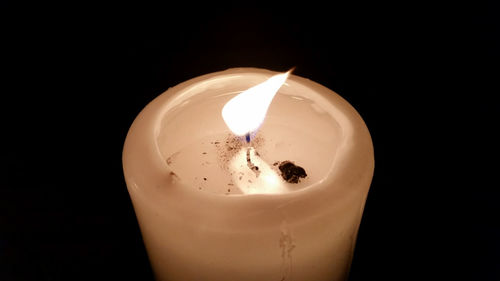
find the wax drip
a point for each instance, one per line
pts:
(250, 165)
(286, 245)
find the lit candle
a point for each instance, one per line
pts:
(206, 168)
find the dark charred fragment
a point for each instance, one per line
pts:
(291, 173)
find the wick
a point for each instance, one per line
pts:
(247, 137)
(250, 165)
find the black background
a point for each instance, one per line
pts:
(423, 76)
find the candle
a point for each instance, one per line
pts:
(217, 202)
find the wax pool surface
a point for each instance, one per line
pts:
(296, 129)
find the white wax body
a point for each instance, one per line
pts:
(194, 229)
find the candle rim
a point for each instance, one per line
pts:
(357, 141)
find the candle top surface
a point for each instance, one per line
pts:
(306, 124)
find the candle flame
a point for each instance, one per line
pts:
(245, 112)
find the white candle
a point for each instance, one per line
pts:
(206, 215)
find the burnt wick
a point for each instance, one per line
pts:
(291, 172)
(250, 165)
